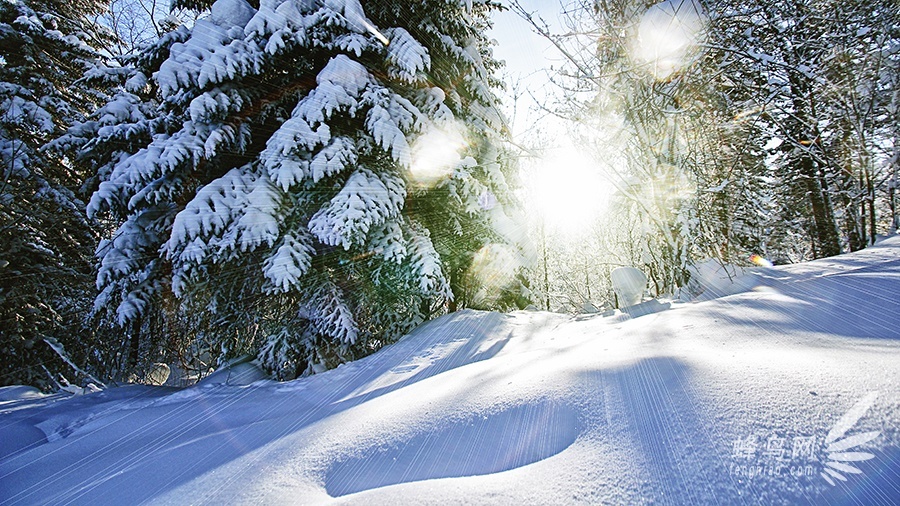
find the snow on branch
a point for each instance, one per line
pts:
(365, 201)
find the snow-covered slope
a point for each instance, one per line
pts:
(744, 399)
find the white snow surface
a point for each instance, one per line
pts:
(742, 399)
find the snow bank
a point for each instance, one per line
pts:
(785, 393)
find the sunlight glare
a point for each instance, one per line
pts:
(567, 191)
(493, 270)
(435, 154)
(667, 34)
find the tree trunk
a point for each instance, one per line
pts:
(546, 273)
(456, 289)
(826, 238)
(864, 215)
(851, 217)
(134, 345)
(892, 202)
(587, 280)
(861, 232)
(870, 196)
(804, 130)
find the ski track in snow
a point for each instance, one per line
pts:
(677, 403)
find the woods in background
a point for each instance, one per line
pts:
(729, 129)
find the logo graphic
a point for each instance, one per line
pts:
(839, 457)
(779, 454)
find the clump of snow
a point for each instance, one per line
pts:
(589, 308)
(229, 13)
(645, 308)
(241, 371)
(629, 284)
(19, 392)
(90, 388)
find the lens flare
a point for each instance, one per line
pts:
(435, 154)
(667, 35)
(760, 261)
(493, 270)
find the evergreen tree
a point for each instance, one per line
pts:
(303, 175)
(45, 241)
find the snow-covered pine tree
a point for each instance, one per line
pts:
(306, 176)
(45, 241)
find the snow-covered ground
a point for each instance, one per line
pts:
(742, 399)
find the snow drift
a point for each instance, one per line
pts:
(786, 392)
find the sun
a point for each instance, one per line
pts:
(566, 190)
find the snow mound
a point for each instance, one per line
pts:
(18, 436)
(711, 279)
(471, 446)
